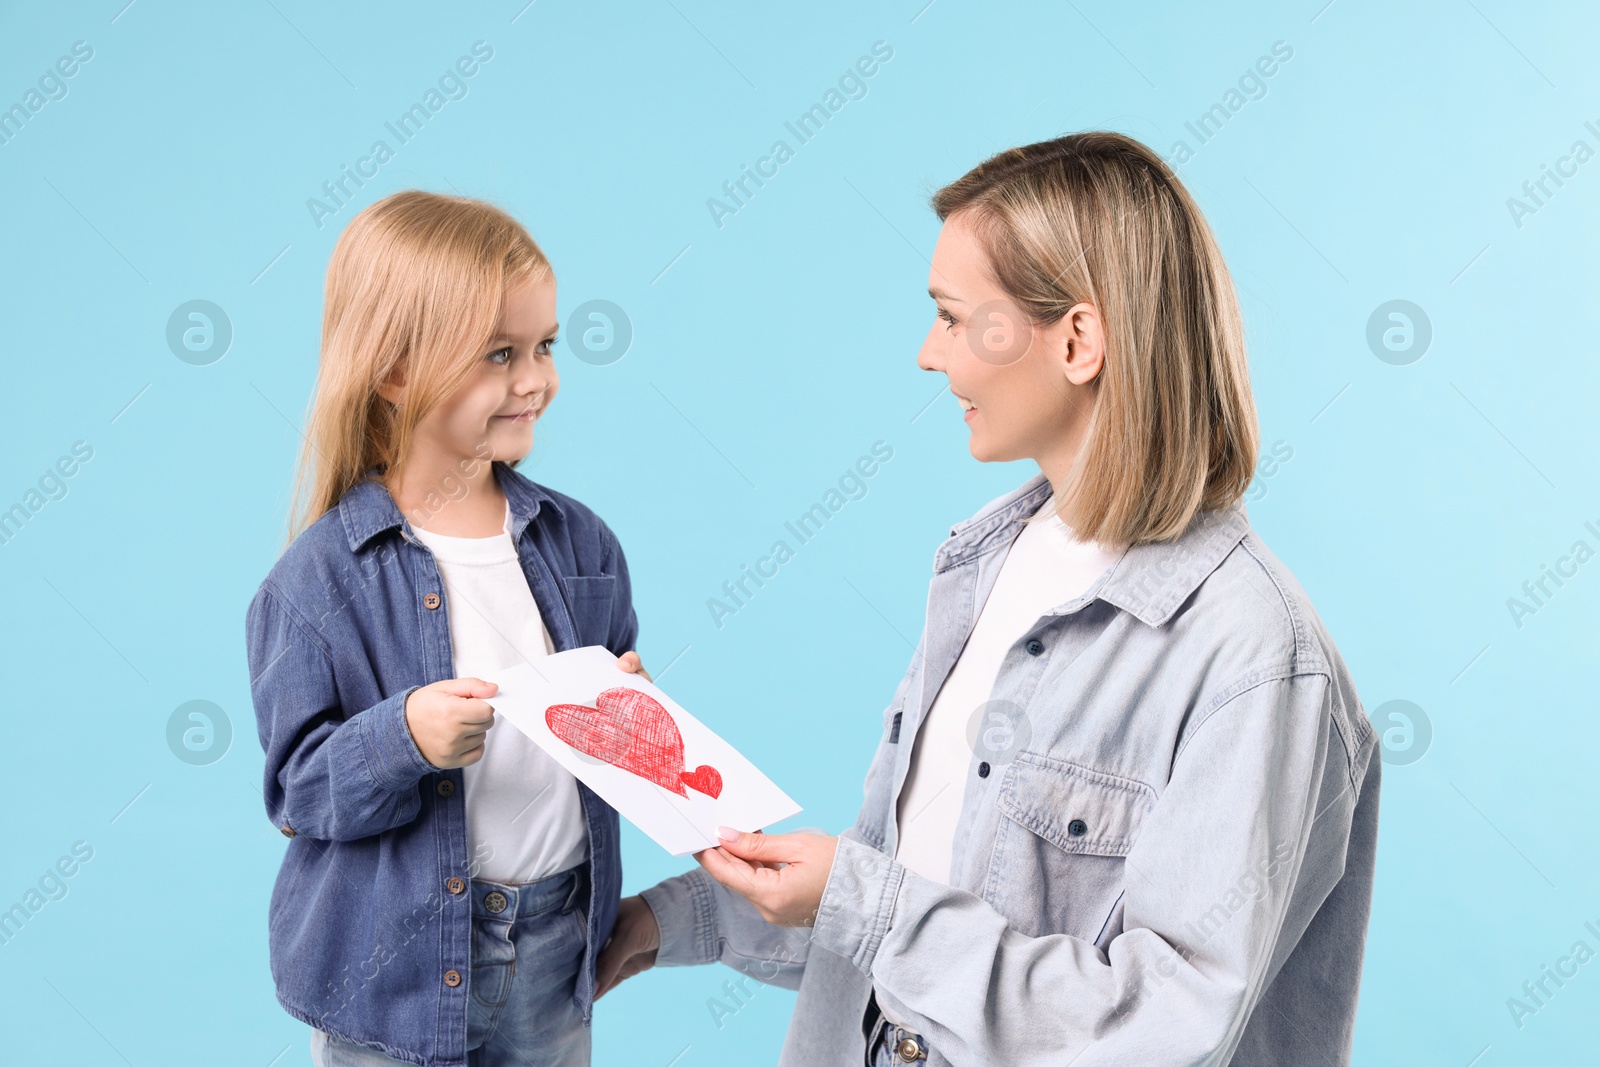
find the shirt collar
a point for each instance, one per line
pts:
(1149, 581)
(367, 509)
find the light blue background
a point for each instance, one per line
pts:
(773, 353)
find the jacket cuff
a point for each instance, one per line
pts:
(857, 903)
(685, 908)
(393, 758)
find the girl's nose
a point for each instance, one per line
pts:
(534, 379)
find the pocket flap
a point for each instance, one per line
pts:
(1074, 808)
(590, 586)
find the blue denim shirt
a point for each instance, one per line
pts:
(370, 920)
(1166, 845)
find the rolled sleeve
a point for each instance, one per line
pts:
(701, 921)
(857, 903)
(393, 759)
(685, 908)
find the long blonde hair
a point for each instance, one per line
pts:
(1098, 218)
(415, 285)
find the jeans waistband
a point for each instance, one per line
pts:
(880, 1029)
(563, 890)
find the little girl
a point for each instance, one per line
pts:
(447, 886)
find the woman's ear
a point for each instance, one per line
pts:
(1083, 334)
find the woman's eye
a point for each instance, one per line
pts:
(950, 320)
(494, 357)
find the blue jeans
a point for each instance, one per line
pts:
(883, 1041)
(527, 947)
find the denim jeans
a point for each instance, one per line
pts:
(883, 1042)
(527, 946)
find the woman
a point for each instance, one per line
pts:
(1125, 806)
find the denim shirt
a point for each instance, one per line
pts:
(1166, 843)
(370, 919)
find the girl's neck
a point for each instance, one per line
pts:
(446, 501)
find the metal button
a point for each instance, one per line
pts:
(430, 601)
(495, 901)
(909, 1050)
(1077, 827)
(983, 769)
(287, 830)
(452, 978)
(455, 885)
(1034, 646)
(445, 787)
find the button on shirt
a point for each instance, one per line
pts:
(524, 815)
(1046, 566)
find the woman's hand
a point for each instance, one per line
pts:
(630, 662)
(783, 875)
(632, 946)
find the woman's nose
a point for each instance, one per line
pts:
(931, 356)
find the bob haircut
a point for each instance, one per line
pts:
(1099, 218)
(415, 288)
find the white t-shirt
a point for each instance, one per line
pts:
(1045, 567)
(524, 815)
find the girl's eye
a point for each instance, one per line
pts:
(494, 357)
(545, 346)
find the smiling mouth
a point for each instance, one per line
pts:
(527, 414)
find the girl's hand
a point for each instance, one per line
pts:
(630, 662)
(783, 875)
(448, 720)
(631, 948)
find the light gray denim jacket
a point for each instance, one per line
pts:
(1166, 845)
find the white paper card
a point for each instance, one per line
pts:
(664, 770)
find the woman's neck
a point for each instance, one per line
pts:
(1056, 464)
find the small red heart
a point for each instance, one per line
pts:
(704, 779)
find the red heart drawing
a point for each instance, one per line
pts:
(704, 779)
(631, 730)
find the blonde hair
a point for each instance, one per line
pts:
(416, 284)
(1098, 218)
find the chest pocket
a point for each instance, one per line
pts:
(872, 825)
(1059, 859)
(591, 598)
